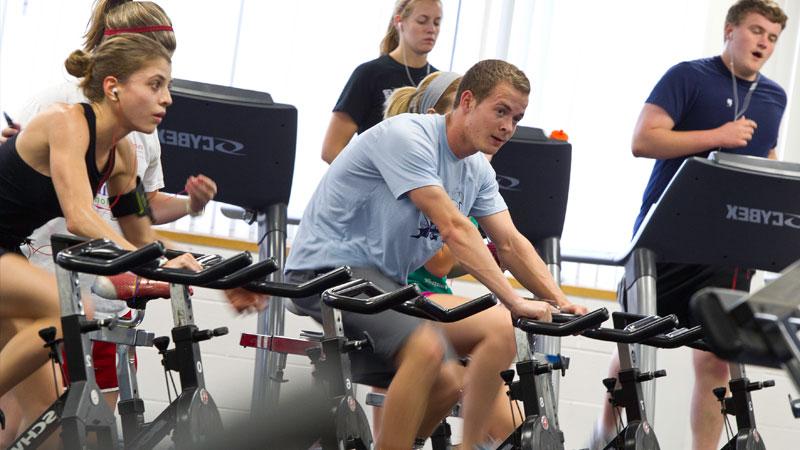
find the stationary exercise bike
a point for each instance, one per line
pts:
(537, 431)
(193, 416)
(81, 409)
(348, 427)
(539, 428)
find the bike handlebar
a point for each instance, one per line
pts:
(247, 275)
(406, 300)
(441, 314)
(311, 287)
(344, 297)
(635, 332)
(563, 324)
(676, 338)
(201, 278)
(103, 257)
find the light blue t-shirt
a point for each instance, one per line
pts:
(360, 214)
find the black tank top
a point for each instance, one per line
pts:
(27, 198)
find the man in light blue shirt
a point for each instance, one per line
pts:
(386, 205)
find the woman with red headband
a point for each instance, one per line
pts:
(110, 17)
(55, 166)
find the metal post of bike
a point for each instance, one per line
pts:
(269, 366)
(550, 252)
(640, 276)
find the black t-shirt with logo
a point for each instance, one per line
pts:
(371, 84)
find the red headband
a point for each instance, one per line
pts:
(111, 32)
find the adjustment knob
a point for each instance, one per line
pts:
(647, 376)
(161, 343)
(314, 354)
(610, 383)
(204, 335)
(542, 368)
(90, 325)
(720, 393)
(109, 323)
(363, 344)
(221, 331)
(48, 334)
(756, 385)
(561, 363)
(507, 376)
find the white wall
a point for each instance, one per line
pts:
(591, 63)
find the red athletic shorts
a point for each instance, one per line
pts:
(104, 360)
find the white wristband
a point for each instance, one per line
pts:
(193, 213)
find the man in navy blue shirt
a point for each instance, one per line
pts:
(722, 103)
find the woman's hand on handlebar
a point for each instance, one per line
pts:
(184, 261)
(244, 301)
(532, 309)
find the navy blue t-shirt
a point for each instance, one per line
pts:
(698, 95)
(371, 84)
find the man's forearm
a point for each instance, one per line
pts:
(667, 144)
(529, 269)
(167, 208)
(467, 246)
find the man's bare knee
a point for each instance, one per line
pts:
(425, 344)
(500, 336)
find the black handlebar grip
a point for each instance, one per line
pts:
(637, 334)
(311, 287)
(375, 304)
(201, 278)
(249, 274)
(462, 311)
(563, 324)
(84, 257)
(677, 338)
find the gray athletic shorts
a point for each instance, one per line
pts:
(388, 330)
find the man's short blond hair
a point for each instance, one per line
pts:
(481, 78)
